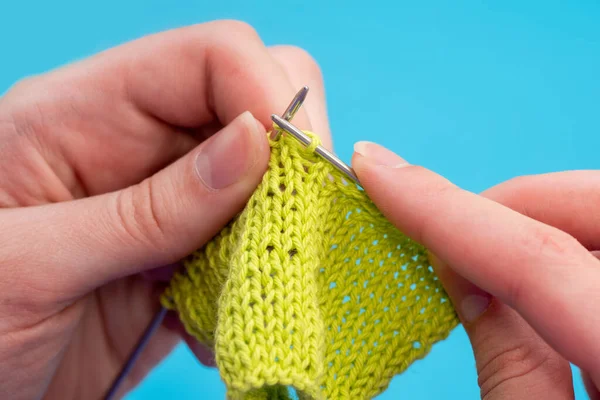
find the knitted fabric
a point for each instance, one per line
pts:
(310, 287)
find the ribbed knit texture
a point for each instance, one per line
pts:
(310, 287)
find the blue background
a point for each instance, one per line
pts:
(479, 93)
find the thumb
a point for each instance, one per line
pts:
(512, 360)
(79, 245)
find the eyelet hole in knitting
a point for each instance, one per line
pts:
(315, 287)
(385, 288)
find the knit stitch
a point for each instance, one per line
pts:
(310, 287)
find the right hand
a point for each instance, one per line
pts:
(525, 287)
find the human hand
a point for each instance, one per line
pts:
(106, 173)
(517, 263)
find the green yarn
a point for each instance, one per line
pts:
(310, 287)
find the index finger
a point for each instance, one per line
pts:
(192, 76)
(542, 272)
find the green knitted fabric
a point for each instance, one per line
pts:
(310, 287)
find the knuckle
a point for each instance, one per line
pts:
(139, 215)
(231, 47)
(300, 59)
(442, 189)
(540, 243)
(516, 366)
(549, 242)
(236, 28)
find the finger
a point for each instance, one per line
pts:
(161, 274)
(193, 79)
(512, 360)
(566, 200)
(116, 316)
(302, 70)
(80, 245)
(540, 271)
(592, 384)
(202, 353)
(193, 75)
(590, 387)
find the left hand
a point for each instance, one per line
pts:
(518, 266)
(110, 140)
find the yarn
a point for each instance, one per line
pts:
(310, 288)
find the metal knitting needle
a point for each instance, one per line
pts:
(156, 321)
(320, 150)
(292, 109)
(154, 324)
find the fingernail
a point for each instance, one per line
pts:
(203, 354)
(226, 157)
(473, 305)
(470, 301)
(379, 155)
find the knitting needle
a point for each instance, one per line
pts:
(292, 109)
(156, 321)
(320, 150)
(154, 324)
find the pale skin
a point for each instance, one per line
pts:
(119, 165)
